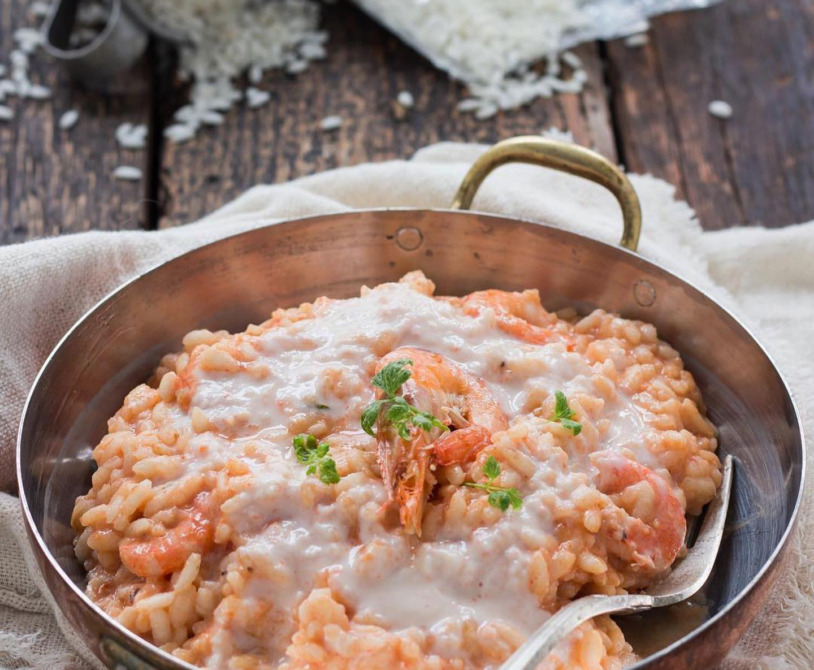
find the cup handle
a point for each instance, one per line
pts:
(565, 157)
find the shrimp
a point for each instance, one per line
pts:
(163, 555)
(456, 398)
(519, 314)
(647, 527)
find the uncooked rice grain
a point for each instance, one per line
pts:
(330, 123)
(256, 98)
(132, 136)
(720, 109)
(637, 40)
(127, 173)
(39, 92)
(28, 39)
(255, 75)
(39, 9)
(179, 132)
(405, 99)
(68, 119)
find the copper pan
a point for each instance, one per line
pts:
(241, 279)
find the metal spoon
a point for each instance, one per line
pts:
(686, 579)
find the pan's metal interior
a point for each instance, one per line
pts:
(241, 279)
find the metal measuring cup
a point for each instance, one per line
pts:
(118, 46)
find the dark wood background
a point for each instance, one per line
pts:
(645, 107)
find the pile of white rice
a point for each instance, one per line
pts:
(508, 52)
(491, 45)
(488, 45)
(226, 38)
(230, 37)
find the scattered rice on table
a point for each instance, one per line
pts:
(127, 173)
(637, 40)
(132, 136)
(720, 109)
(230, 38)
(405, 99)
(330, 123)
(256, 98)
(68, 119)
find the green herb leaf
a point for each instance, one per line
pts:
(390, 378)
(426, 421)
(491, 468)
(563, 413)
(398, 412)
(574, 426)
(314, 454)
(561, 408)
(321, 406)
(304, 446)
(370, 416)
(403, 429)
(327, 471)
(515, 498)
(499, 499)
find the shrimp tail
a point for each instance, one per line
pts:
(461, 446)
(390, 454)
(410, 495)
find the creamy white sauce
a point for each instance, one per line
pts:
(343, 337)
(417, 586)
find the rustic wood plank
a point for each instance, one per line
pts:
(56, 181)
(757, 167)
(365, 70)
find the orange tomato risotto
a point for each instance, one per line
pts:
(395, 480)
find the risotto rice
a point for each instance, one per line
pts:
(510, 460)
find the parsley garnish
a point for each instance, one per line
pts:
(395, 409)
(499, 497)
(315, 455)
(563, 413)
(391, 377)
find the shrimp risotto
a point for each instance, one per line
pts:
(395, 480)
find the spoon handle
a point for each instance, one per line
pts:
(544, 639)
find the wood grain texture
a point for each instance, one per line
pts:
(757, 167)
(56, 181)
(365, 70)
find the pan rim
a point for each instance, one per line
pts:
(136, 640)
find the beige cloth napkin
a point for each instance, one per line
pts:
(766, 276)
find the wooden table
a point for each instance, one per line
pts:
(645, 107)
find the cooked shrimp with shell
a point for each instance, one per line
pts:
(395, 480)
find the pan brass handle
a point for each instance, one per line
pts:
(561, 156)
